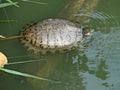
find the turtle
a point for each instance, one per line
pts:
(53, 35)
(60, 34)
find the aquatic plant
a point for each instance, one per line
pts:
(4, 61)
(11, 3)
(36, 2)
(25, 75)
(8, 3)
(3, 58)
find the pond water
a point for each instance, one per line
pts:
(94, 68)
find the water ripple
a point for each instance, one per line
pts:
(101, 57)
(101, 21)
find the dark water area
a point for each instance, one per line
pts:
(94, 67)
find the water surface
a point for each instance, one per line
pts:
(94, 68)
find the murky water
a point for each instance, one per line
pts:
(94, 68)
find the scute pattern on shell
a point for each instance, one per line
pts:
(51, 35)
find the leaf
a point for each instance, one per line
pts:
(1, 36)
(11, 37)
(35, 2)
(13, 3)
(7, 20)
(25, 75)
(7, 4)
(21, 62)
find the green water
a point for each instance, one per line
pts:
(95, 68)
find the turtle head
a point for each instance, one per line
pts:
(87, 31)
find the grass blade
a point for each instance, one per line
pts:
(19, 56)
(1, 36)
(11, 37)
(25, 75)
(7, 20)
(35, 2)
(13, 3)
(7, 4)
(24, 61)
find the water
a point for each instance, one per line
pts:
(95, 68)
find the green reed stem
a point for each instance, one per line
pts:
(35, 2)
(20, 62)
(25, 75)
(13, 3)
(10, 3)
(11, 37)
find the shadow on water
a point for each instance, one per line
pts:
(94, 67)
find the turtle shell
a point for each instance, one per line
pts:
(51, 35)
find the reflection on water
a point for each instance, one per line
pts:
(101, 68)
(95, 67)
(103, 54)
